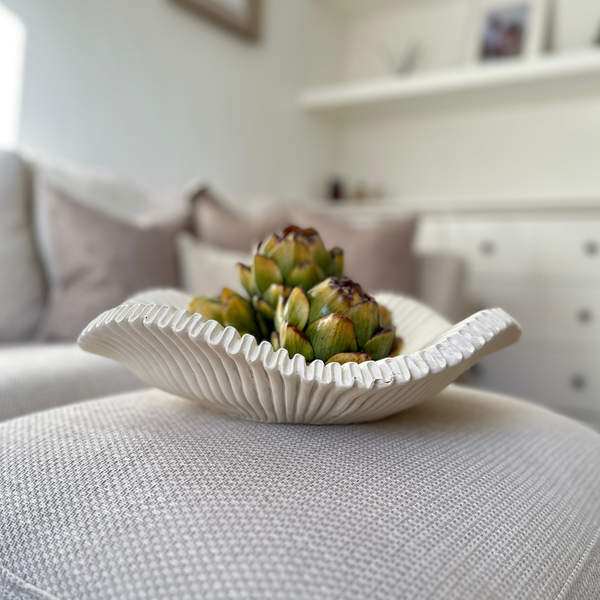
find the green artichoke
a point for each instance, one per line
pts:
(335, 321)
(294, 258)
(230, 309)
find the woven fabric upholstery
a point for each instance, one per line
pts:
(468, 497)
(36, 377)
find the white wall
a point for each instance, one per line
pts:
(12, 53)
(155, 93)
(438, 26)
(534, 150)
(543, 147)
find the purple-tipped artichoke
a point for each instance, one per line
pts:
(293, 258)
(300, 302)
(231, 310)
(335, 321)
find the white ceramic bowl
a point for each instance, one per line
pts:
(160, 341)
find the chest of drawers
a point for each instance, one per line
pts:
(544, 269)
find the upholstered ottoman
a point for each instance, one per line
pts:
(470, 496)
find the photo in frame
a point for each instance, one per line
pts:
(504, 30)
(242, 17)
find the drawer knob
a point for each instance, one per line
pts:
(584, 316)
(487, 248)
(591, 248)
(578, 382)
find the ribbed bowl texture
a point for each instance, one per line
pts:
(155, 336)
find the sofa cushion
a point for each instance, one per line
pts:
(100, 262)
(36, 377)
(206, 269)
(217, 225)
(22, 287)
(104, 192)
(470, 496)
(380, 257)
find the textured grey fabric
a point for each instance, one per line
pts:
(37, 377)
(468, 497)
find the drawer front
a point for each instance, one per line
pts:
(571, 249)
(493, 248)
(554, 247)
(560, 380)
(564, 315)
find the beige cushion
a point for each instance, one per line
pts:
(379, 257)
(470, 496)
(103, 191)
(100, 262)
(206, 269)
(22, 287)
(217, 225)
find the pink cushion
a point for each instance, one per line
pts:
(379, 258)
(100, 262)
(217, 225)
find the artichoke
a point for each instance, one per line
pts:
(294, 258)
(230, 309)
(335, 321)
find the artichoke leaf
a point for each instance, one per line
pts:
(337, 262)
(238, 313)
(265, 272)
(262, 307)
(306, 275)
(295, 342)
(274, 291)
(380, 344)
(275, 341)
(296, 309)
(245, 277)
(332, 335)
(365, 317)
(349, 357)
(209, 308)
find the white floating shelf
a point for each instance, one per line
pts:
(566, 73)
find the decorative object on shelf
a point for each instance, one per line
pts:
(403, 64)
(336, 190)
(360, 192)
(240, 16)
(357, 194)
(507, 29)
(156, 337)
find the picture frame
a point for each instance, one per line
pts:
(506, 30)
(242, 17)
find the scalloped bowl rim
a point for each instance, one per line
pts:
(459, 343)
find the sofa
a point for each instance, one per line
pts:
(38, 371)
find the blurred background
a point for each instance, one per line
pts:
(465, 133)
